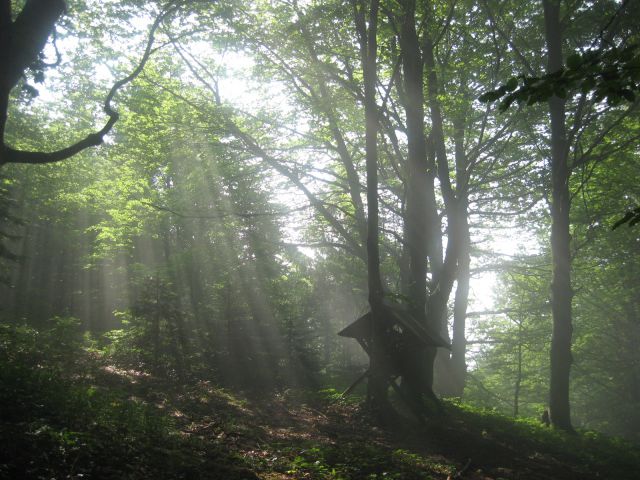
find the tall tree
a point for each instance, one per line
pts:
(366, 21)
(420, 204)
(561, 291)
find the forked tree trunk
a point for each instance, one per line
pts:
(443, 270)
(457, 362)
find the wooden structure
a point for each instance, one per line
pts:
(404, 336)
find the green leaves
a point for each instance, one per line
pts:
(611, 74)
(574, 61)
(512, 84)
(631, 217)
(494, 95)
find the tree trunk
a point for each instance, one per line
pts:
(20, 43)
(561, 292)
(443, 271)
(378, 374)
(461, 300)
(516, 391)
(419, 183)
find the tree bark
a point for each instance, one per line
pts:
(378, 374)
(561, 292)
(419, 184)
(20, 43)
(443, 271)
(461, 299)
(516, 391)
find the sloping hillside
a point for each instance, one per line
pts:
(101, 421)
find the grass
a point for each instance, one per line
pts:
(586, 453)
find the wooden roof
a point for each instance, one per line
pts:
(398, 315)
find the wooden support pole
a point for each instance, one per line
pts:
(355, 384)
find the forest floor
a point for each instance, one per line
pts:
(301, 435)
(119, 423)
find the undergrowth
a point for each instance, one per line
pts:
(59, 419)
(67, 410)
(610, 456)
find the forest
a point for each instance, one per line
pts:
(319, 239)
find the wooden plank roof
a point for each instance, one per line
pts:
(398, 315)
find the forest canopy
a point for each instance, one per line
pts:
(206, 193)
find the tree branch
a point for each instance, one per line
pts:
(10, 155)
(222, 215)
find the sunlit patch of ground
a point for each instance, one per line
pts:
(131, 375)
(295, 436)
